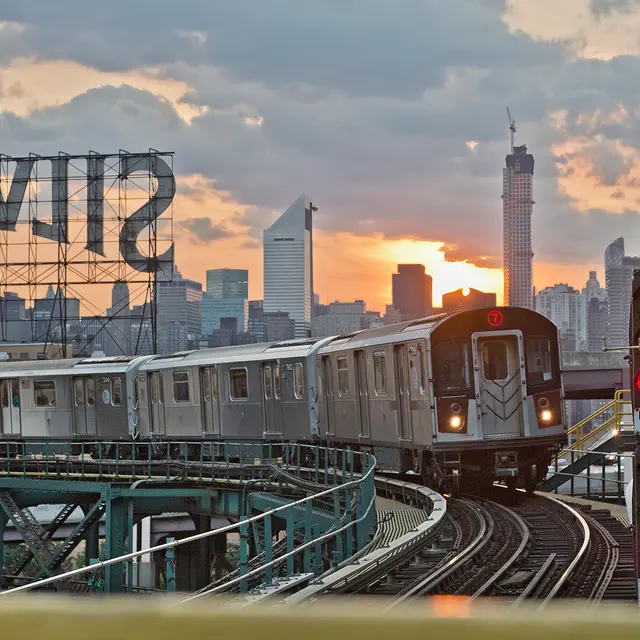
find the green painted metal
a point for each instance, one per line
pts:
(238, 479)
(170, 567)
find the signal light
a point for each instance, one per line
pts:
(637, 383)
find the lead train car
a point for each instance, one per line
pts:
(473, 395)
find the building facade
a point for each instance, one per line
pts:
(412, 291)
(464, 299)
(345, 317)
(567, 309)
(179, 313)
(618, 275)
(596, 297)
(517, 207)
(288, 266)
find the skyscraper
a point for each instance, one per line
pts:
(567, 309)
(618, 270)
(411, 290)
(288, 265)
(517, 207)
(226, 297)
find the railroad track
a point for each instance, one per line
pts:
(516, 549)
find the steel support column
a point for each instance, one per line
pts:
(202, 550)
(3, 522)
(115, 533)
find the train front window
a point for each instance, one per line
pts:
(494, 360)
(538, 358)
(452, 371)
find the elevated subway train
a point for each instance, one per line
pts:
(465, 396)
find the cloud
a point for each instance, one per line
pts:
(204, 230)
(391, 124)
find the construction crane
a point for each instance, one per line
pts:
(512, 127)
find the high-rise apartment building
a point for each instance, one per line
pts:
(345, 317)
(567, 309)
(618, 270)
(596, 297)
(412, 291)
(517, 207)
(179, 313)
(288, 266)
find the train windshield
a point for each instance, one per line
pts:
(538, 352)
(452, 367)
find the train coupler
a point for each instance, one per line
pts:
(505, 464)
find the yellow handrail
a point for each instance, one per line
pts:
(618, 404)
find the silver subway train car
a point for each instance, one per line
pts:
(465, 397)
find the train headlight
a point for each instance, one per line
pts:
(543, 402)
(455, 423)
(546, 416)
(455, 408)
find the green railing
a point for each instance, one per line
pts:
(339, 483)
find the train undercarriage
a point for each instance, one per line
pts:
(450, 471)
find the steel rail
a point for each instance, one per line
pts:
(451, 565)
(566, 574)
(524, 529)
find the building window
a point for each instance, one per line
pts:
(45, 393)
(238, 384)
(116, 391)
(343, 376)
(298, 380)
(380, 373)
(24, 355)
(180, 386)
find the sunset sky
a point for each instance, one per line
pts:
(390, 115)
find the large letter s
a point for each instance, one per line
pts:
(148, 212)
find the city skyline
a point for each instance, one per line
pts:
(401, 144)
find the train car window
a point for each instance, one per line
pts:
(298, 379)
(423, 375)
(136, 392)
(180, 386)
(278, 384)
(538, 359)
(451, 367)
(343, 376)
(5, 393)
(380, 373)
(45, 393)
(238, 386)
(267, 382)
(153, 390)
(206, 385)
(494, 360)
(15, 394)
(116, 392)
(214, 382)
(91, 392)
(78, 388)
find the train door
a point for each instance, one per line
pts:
(327, 379)
(403, 390)
(210, 400)
(84, 406)
(272, 397)
(11, 424)
(500, 363)
(156, 403)
(363, 393)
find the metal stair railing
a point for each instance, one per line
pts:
(614, 424)
(22, 560)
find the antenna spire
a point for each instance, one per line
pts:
(512, 127)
